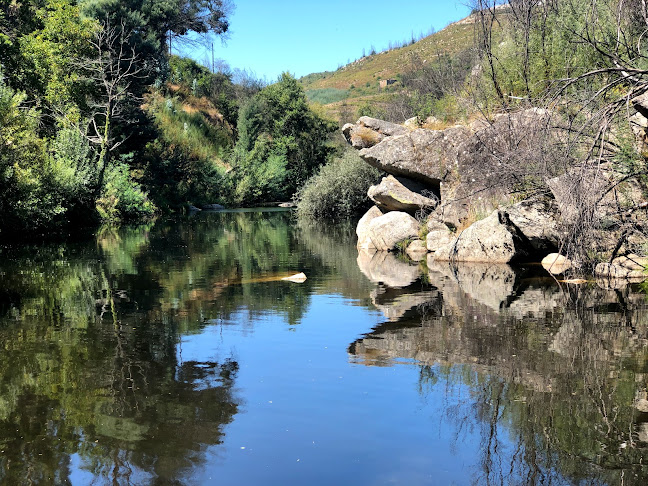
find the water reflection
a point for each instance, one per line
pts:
(150, 355)
(557, 375)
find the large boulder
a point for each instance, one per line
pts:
(383, 232)
(424, 155)
(487, 240)
(596, 188)
(470, 167)
(363, 230)
(580, 189)
(523, 231)
(402, 194)
(536, 222)
(594, 192)
(368, 132)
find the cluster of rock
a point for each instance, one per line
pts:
(442, 196)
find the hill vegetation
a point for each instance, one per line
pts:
(355, 89)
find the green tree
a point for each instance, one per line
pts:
(281, 142)
(56, 52)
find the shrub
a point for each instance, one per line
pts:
(338, 190)
(122, 199)
(369, 109)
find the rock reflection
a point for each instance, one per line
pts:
(382, 267)
(557, 375)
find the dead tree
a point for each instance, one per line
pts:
(113, 69)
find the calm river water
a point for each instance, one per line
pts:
(171, 354)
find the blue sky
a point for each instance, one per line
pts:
(270, 37)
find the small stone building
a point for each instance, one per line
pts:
(386, 82)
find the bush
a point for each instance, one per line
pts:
(122, 199)
(338, 190)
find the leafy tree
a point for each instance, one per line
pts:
(21, 157)
(157, 22)
(280, 134)
(41, 188)
(56, 52)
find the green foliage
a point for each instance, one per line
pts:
(156, 23)
(71, 174)
(263, 174)
(401, 246)
(326, 95)
(56, 52)
(184, 164)
(280, 134)
(190, 129)
(547, 43)
(22, 156)
(339, 190)
(122, 199)
(50, 187)
(372, 110)
(431, 89)
(627, 160)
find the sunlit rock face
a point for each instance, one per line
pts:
(382, 232)
(467, 166)
(402, 194)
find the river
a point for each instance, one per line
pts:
(174, 354)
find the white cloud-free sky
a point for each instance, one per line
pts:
(301, 37)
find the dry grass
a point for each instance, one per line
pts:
(193, 124)
(387, 65)
(369, 136)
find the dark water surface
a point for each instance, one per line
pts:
(171, 354)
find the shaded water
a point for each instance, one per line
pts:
(170, 354)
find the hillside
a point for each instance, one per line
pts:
(360, 80)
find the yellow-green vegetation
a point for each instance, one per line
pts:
(426, 78)
(355, 88)
(390, 64)
(192, 125)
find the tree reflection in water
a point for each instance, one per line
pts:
(556, 376)
(94, 387)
